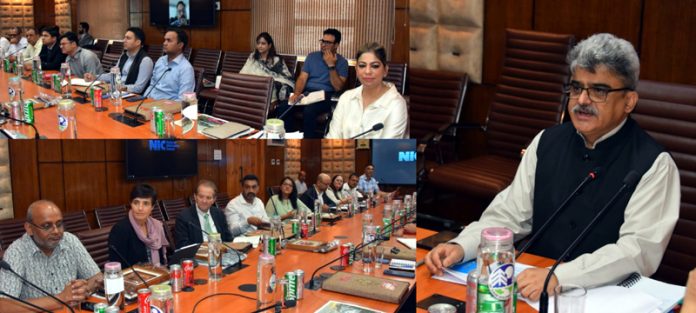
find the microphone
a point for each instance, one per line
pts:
(129, 265)
(133, 122)
(16, 51)
(40, 309)
(378, 237)
(4, 265)
(591, 176)
(629, 181)
(374, 128)
(6, 115)
(239, 255)
(84, 98)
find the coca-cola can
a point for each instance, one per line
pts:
(304, 231)
(144, 300)
(345, 252)
(176, 277)
(188, 272)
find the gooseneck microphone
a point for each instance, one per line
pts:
(4, 265)
(129, 265)
(133, 122)
(374, 128)
(84, 98)
(591, 176)
(239, 255)
(40, 309)
(629, 181)
(6, 115)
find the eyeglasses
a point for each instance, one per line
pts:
(48, 226)
(596, 94)
(287, 184)
(326, 42)
(12, 35)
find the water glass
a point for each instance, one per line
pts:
(379, 254)
(570, 299)
(366, 219)
(369, 257)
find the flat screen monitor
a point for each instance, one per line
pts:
(394, 161)
(157, 158)
(183, 13)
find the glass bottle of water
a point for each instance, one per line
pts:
(113, 284)
(317, 209)
(67, 119)
(277, 232)
(65, 78)
(265, 279)
(496, 258)
(214, 257)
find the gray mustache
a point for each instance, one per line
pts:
(585, 109)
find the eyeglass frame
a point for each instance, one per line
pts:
(50, 227)
(326, 42)
(607, 91)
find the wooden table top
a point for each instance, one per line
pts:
(428, 286)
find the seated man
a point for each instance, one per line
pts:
(82, 61)
(51, 55)
(318, 191)
(34, 45)
(322, 70)
(246, 212)
(135, 66)
(368, 183)
(17, 43)
(50, 258)
(351, 186)
(204, 215)
(633, 235)
(180, 78)
(301, 183)
(86, 39)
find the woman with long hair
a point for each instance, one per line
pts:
(264, 61)
(285, 204)
(335, 191)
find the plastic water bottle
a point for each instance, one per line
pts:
(277, 232)
(14, 88)
(116, 95)
(265, 279)
(113, 284)
(496, 260)
(67, 119)
(65, 77)
(214, 257)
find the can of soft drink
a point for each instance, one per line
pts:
(7, 65)
(304, 231)
(271, 245)
(100, 307)
(345, 254)
(16, 112)
(290, 292)
(56, 83)
(300, 284)
(96, 94)
(158, 116)
(176, 277)
(29, 111)
(188, 272)
(144, 300)
(295, 227)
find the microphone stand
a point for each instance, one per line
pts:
(628, 182)
(129, 265)
(133, 122)
(6, 266)
(375, 127)
(6, 115)
(240, 265)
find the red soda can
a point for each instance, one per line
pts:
(304, 231)
(175, 277)
(144, 300)
(96, 97)
(188, 272)
(345, 254)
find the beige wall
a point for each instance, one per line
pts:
(107, 18)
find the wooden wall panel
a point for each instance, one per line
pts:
(235, 5)
(83, 150)
(51, 184)
(24, 173)
(237, 34)
(362, 159)
(85, 185)
(499, 15)
(118, 188)
(275, 171)
(311, 159)
(50, 151)
(400, 50)
(114, 150)
(668, 46)
(243, 157)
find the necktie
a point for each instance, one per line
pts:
(207, 227)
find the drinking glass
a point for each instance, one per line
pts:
(570, 299)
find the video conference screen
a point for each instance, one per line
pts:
(183, 13)
(158, 158)
(394, 161)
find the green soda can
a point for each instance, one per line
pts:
(295, 227)
(56, 83)
(159, 123)
(6, 66)
(271, 245)
(387, 228)
(290, 292)
(29, 111)
(486, 303)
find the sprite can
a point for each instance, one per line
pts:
(56, 83)
(387, 228)
(295, 227)
(100, 307)
(7, 65)
(271, 245)
(29, 111)
(486, 302)
(158, 115)
(291, 286)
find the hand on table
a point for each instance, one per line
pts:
(442, 256)
(531, 281)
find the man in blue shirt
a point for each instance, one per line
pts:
(181, 78)
(322, 70)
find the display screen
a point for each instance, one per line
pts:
(183, 13)
(161, 158)
(394, 161)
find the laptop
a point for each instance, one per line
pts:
(187, 252)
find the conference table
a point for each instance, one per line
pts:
(428, 286)
(346, 230)
(90, 123)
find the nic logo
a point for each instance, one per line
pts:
(162, 145)
(407, 156)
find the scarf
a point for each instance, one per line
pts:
(156, 241)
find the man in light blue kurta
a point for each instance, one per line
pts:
(180, 78)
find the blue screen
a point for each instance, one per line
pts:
(394, 161)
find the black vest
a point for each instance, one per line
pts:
(135, 66)
(562, 163)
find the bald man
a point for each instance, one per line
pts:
(50, 258)
(318, 191)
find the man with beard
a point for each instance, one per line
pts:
(246, 212)
(86, 38)
(633, 234)
(50, 258)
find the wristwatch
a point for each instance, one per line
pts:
(332, 68)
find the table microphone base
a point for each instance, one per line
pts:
(234, 268)
(101, 109)
(337, 268)
(248, 287)
(122, 118)
(318, 281)
(81, 100)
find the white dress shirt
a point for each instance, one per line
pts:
(301, 187)
(239, 210)
(201, 219)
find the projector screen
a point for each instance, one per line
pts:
(394, 161)
(158, 158)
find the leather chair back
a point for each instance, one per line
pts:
(96, 242)
(101, 44)
(290, 62)
(668, 113)
(222, 200)
(234, 61)
(115, 47)
(244, 99)
(529, 94)
(173, 207)
(154, 52)
(435, 101)
(108, 216)
(187, 53)
(198, 74)
(75, 222)
(109, 60)
(10, 230)
(209, 60)
(397, 76)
